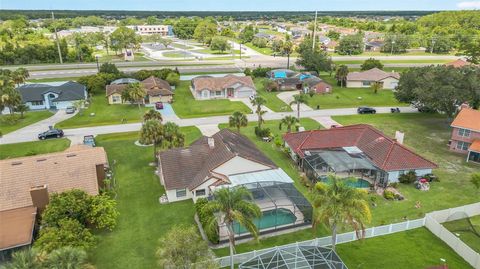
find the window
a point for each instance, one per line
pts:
(181, 193)
(200, 192)
(401, 172)
(116, 99)
(37, 103)
(462, 145)
(464, 132)
(218, 93)
(366, 83)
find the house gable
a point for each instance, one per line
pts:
(238, 165)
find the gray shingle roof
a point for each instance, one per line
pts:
(68, 91)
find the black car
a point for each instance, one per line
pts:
(366, 110)
(50, 133)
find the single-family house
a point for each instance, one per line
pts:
(373, 45)
(356, 151)
(317, 85)
(229, 86)
(364, 79)
(458, 63)
(158, 90)
(27, 182)
(228, 159)
(465, 137)
(291, 80)
(52, 95)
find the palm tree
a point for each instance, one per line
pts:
(299, 99)
(288, 49)
(341, 74)
(152, 114)
(152, 133)
(238, 120)
(288, 121)
(24, 259)
(22, 108)
(172, 135)
(337, 203)
(232, 205)
(376, 86)
(20, 75)
(135, 93)
(259, 101)
(67, 258)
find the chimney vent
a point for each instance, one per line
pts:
(39, 195)
(399, 136)
(211, 142)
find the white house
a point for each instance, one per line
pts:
(52, 95)
(364, 79)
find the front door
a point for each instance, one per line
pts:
(230, 93)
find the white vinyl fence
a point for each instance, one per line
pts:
(433, 222)
(326, 241)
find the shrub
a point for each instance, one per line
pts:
(202, 217)
(247, 72)
(408, 178)
(389, 195)
(278, 141)
(260, 42)
(69, 232)
(305, 181)
(270, 85)
(260, 72)
(393, 185)
(262, 132)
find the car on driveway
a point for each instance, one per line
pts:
(52, 133)
(89, 140)
(366, 110)
(159, 105)
(70, 110)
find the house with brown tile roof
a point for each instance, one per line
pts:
(465, 137)
(359, 151)
(158, 90)
(364, 79)
(26, 182)
(229, 86)
(458, 63)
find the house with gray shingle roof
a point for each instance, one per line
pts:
(52, 95)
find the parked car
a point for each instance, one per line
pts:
(70, 110)
(159, 105)
(366, 110)
(251, 97)
(51, 134)
(395, 110)
(89, 140)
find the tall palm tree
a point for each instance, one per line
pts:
(24, 259)
(67, 258)
(237, 120)
(288, 121)
(152, 133)
(299, 99)
(376, 86)
(20, 75)
(135, 93)
(22, 108)
(337, 203)
(341, 74)
(288, 49)
(152, 114)
(172, 135)
(259, 101)
(232, 205)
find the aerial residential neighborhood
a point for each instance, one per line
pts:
(253, 135)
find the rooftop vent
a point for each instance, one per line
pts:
(16, 163)
(41, 160)
(71, 155)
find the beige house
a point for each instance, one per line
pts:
(229, 86)
(158, 90)
(364, 79)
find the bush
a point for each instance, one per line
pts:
(262, 132)
(199, 205)
(305, 181)
(270, 85)
(408, 178)
(393, 185)
(389, 195)
(261, 72)
(248, 72)
(278, 141)
(260, 42)
(69, 232)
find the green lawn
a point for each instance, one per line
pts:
(428, 135)
(143, 220)
(10, 123)
(8, 151)
(216, 52)
(463, 229)
(180, 46)
(417, 248)
(273, 102)
(349, 97)
(266, 51)
(105, 114)
(40, 80)
(401, 61)
(186, 106)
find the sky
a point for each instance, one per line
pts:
(239, 5)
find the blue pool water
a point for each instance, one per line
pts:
(353, 182)
(269, 219)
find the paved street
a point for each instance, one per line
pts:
(30, 134)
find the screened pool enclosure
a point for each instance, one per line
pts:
(298, 257)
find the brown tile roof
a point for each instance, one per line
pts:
(383, 151)
(153, 85)
(373, 74)
(458, 63)
(467, 118)
(16, 227)
(212, 83)
(72, 169)
(191, 166)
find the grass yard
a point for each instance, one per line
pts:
(401, 61)
(216, 52)
(417, 248)
(143, 220)
(105, 114)
(186, 106)
(40, 80)
(428, 135)
(8, 151)
(10, 123)
(266, 51)
(175, 54)
(273, 102)
(463, 229)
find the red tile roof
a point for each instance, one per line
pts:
(384, 152)
(475, 146)
(467, 118)
(457, 63)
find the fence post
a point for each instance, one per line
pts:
(373, 231)
(408, 225)
(390, 228)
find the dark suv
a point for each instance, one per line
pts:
(50, 133)
(366, 110)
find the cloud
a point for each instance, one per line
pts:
(469, 5)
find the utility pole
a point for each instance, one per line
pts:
(393, 44)
(433, 44)
(56, 38)
(314, 31)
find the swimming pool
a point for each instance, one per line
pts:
(352, 182)
(269, 219)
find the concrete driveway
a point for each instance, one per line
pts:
(287, 97)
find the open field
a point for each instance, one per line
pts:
(143, 220)
(10, 123)
(273, 102)
(186, 106)
(8, 151)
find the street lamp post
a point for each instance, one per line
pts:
(241, 50)
(393, 44)
(96, 58)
